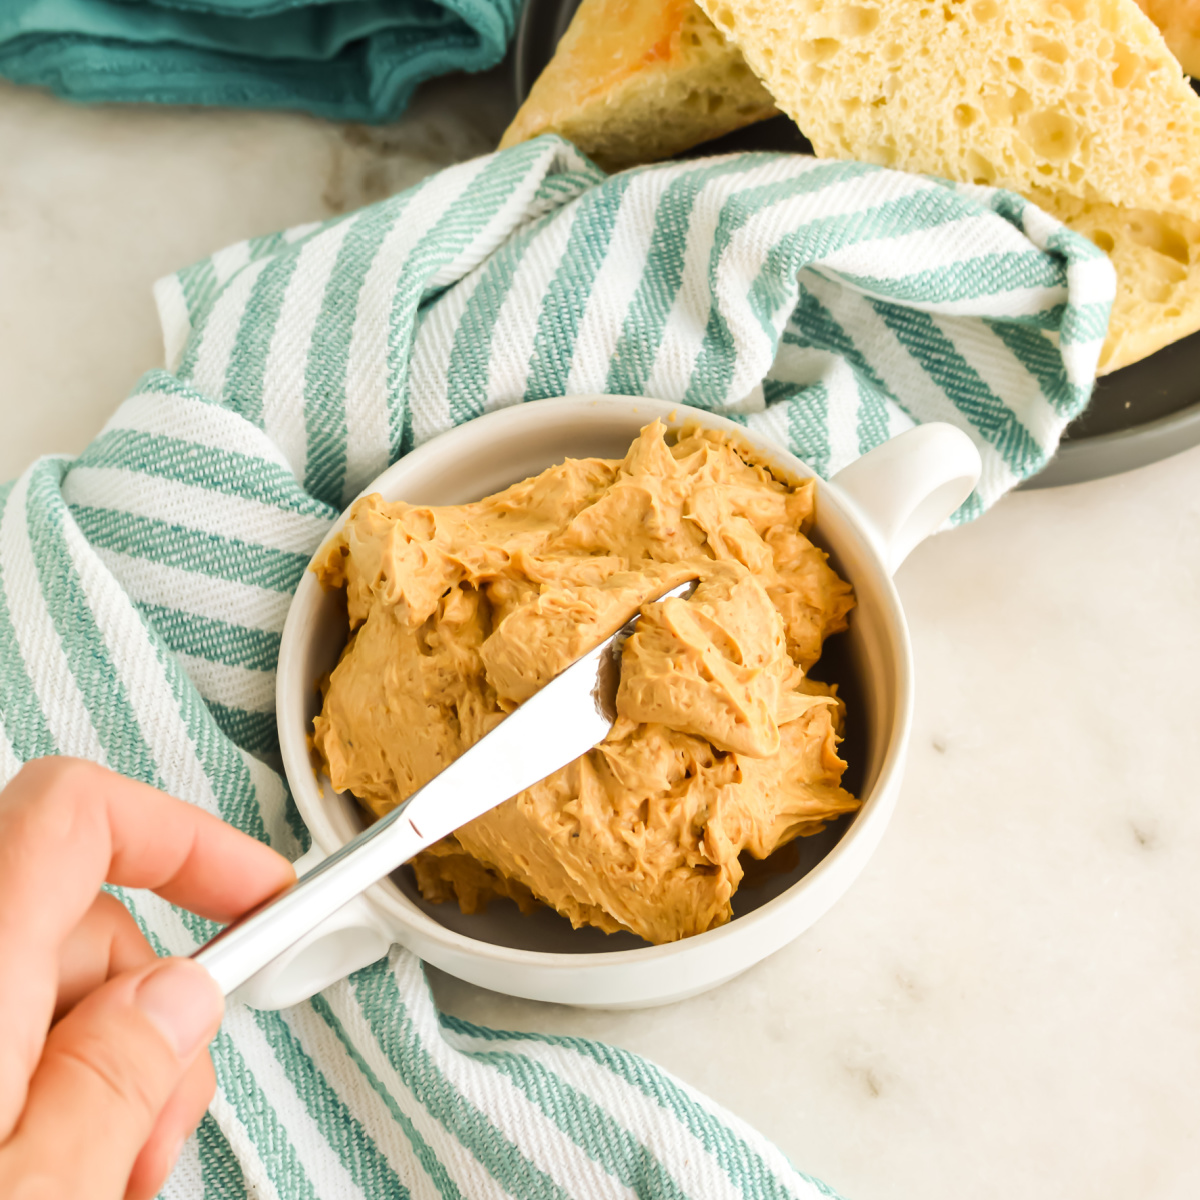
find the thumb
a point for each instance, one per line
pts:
(107, 1070)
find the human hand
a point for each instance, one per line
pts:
(103, 1063)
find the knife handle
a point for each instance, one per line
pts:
(260, 936)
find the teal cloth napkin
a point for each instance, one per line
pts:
(356, 60)
(143, 586)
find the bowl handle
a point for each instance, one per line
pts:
(353, 937)
(905, 489)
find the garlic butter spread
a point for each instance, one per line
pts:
(721, 745)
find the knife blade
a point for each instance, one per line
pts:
(561, 721)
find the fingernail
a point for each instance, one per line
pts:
(183, 1002)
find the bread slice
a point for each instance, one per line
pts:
(1157, 258)
(614, 96)
(637, 80)
(1081, 97)
(1179, 21)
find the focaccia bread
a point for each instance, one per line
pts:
(1076, 104)
(1156, 252)
(1179, 21)
(633, 81)
(722, 746)
(1080, 97)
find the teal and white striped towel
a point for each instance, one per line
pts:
(143, 586)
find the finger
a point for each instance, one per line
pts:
(105, 943)
(109, 1069)
(82, 819)
(67, 825)
(177, 1120)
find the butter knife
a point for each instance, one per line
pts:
(565, 719)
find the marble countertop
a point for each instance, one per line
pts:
(1008, 1002)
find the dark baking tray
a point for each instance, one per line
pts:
(1137, 416)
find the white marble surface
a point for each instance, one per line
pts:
(1008, 1003)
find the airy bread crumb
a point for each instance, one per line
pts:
(1080, 97)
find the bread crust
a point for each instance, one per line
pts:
(633, 80)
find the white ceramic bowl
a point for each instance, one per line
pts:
(868, 518)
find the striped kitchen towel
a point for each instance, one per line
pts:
(143, 586)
